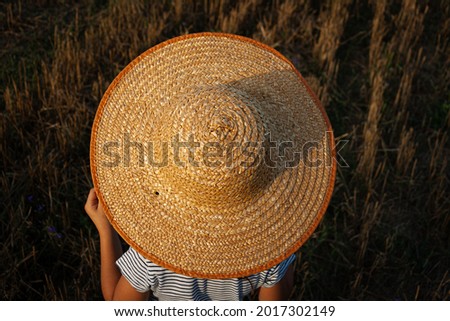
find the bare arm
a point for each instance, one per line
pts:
(280, 291)
(114, 285)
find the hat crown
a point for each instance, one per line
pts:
(218, 138)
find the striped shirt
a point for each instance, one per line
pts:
(145, 276)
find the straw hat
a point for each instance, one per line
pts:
(212, 157)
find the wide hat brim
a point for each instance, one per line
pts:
(224, 214)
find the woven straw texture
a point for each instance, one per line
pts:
(212, 157)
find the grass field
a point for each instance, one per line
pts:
(381, 69)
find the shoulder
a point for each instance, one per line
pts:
(139, 271)
(277, 272)
(133, 257)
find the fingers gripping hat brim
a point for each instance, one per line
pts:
(212, 157)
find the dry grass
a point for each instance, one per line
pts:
(381, 68)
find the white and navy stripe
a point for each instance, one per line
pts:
(145, 275)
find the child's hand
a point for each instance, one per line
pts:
(95, 211)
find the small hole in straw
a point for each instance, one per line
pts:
(156, 193)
